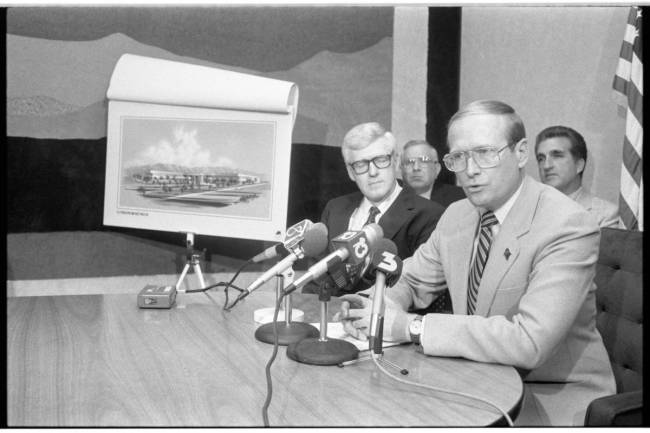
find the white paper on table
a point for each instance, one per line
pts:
(335, 330)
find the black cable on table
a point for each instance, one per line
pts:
(225, 285)
(269, 383)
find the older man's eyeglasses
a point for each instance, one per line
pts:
(410, 162)
(363, 165)
(484, 157)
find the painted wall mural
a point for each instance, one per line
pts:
(59, 61)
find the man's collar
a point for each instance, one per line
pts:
(575, 194)
(502, 212)
(386, 202)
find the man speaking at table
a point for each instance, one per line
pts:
(519, 259)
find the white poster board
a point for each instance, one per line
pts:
(198, 150)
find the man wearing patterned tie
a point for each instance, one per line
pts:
(369, 153)
(518, 258)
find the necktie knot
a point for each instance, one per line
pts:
(488, 219)
(372, 214)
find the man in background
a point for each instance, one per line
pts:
(561, 158)
(420, 169)
(369, 153)
(518, 258)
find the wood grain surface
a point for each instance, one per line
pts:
(99, 360)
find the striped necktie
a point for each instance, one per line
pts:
(480, 259)
(372, 213)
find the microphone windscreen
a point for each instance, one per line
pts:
(386, 261)
(386, 245)
(315, 241)
(271, 253)
(281, 250)
(374, 233)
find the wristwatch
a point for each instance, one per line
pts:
(415, 329)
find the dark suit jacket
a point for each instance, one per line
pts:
(408, 222)
(446, 194)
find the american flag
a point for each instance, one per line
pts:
(628, 83)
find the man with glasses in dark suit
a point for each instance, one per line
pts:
(369, 153)
(420, 170)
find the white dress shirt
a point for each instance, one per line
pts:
(360, 214)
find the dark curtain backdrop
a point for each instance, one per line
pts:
(443, 78)
(58, 185)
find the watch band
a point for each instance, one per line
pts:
(415, 329)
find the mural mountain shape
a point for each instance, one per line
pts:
(334, 88)
(38, 106)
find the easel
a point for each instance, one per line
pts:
(192, 258)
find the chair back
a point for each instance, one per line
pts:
(619, 300)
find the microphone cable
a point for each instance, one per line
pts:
(234, 277)
(226, 285)
(269, 383)
(435, 388)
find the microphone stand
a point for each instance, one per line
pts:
(288, 331)
(321, 350)
(375, 340)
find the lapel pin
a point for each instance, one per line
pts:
(506, 253)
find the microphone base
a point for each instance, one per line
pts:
(315, 351)
(287, 334)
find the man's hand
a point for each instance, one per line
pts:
(355, 316)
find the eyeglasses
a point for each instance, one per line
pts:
(484, 157)
(363, 165)
(421, 159)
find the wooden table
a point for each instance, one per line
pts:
(99, 360)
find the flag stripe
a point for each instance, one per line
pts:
(628, 184)
(634, 133)
(638, 46)
(627, 50)
(632, 163)
(620, 84)
(630, 32)
(635, 104)
(631, 16)
(629, 200)
(627, 216)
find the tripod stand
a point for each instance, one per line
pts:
(192, 258)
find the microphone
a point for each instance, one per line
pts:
(295, 234)
(350, 246)
(386, 266)
(277, 250)
(313, 243)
